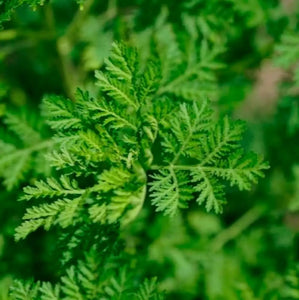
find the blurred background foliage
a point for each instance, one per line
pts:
(250, 251)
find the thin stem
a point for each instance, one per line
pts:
(12, 34)
(67, 68)
(179, 167)
(185, 143)
(63, 49)
(199, 166)
(73, 192)
(78, 20)
(111, 9)
(237, 228)
(72, 76)
(7, 35)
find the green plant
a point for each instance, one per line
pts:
(133, 152)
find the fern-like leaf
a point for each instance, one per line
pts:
(24, 291)
(52, 188)
(60, 113)
(169, 191)
(70, 287)
(205, 151)
(117, 90)
(148, 290)
(186, 130)
(22, 148)
(111, 115)
(211, 192)
(49, 292)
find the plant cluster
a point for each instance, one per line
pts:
(121, 141)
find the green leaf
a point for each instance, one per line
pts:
(70, 286)
(23, 291)
(148, 290)
(169, 191)
(59, 112)
(117, 90)
(111, 116)
(49, 292)
(52, 188)
(211, 191)
(187, 129)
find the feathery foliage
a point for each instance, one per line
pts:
(22, 148)
(110, 138)
(145, 132)
(206, 152)
(288, 53)
(95, 276)
(194, 149)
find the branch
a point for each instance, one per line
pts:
(237, 228)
